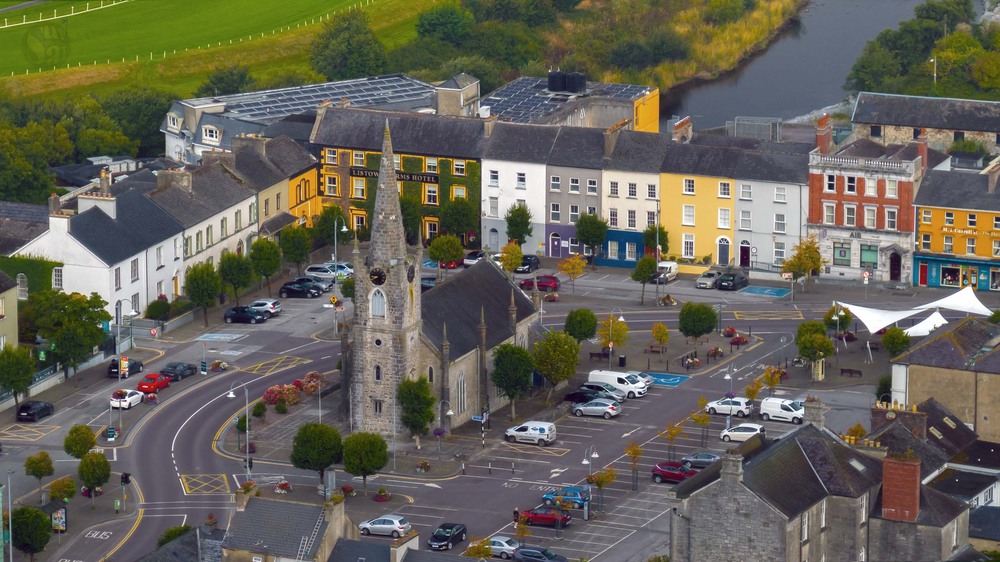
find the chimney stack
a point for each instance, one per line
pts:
(611, 136)
(256, 142)
(824, 134)
(105, 181)
(683, 131)
(993, 171)
(814, 412)
(922, 149)
(732, 467)
(885, 413)
(900, 487)
(182, 178)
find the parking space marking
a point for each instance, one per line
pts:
(767, 314)
(219, 337)
(527, 448)
(666, 379)
(27, 433)
(205, 484)
(274, 365)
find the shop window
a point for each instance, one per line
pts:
(842, 253)
(995, 279)
(950, 276)
(869, 256)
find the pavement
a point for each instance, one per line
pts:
(448, 456)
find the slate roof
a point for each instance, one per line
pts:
(213, 190)
(512, 142)
(6, 283)
(257, 171)
(700, 160)
(897, 438)
(983, 454)
(984, 523)
(297, 126)
(936, 508)
(971, 344)
(185, 548)
(636, 151)
(277, 526)
(926, 112)
(578, 147)
(482, 290)
(431, 556)
(967, 553)
(21, 223)
(288, 156)
(277, 222)
(945, 429)
(957, 190)
(412, 133)
(747, 143)
(459, 81)
(528, 100)
(773, 167)
(347, 550)
(961, 484)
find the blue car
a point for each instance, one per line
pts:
(576, 495)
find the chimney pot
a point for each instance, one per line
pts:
(824, 133)
(683, 130)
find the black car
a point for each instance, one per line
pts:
(732, 282)
(538, 554)
(293, 289)
(34, 410)
(177, 370)
(700, 460)
(243, 314)
(134, 366)
(528, 264)
(325, 285)
(583, 395)
(446, 536)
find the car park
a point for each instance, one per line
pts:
(325, 285)
(503, 547)
(153, 382)
(529, 263)
(631, 385)
(268, 307)
(780, 409)
(672, 471)
(446, 536)
(546, 283)
(701, 459)
(538, 432)
(732, 282)
(737, 406)
(546, 515)
(177, 370)
(392, 525)
(707, 280)
(299, 290)
(472, 257)
(134, 366)
(597, 407)
(604, 387)
(243, 314)
(576, 495)
(742, 432)
(579, 396)
(322, 271)
(538, 554)
(34, 410)
(124, 398)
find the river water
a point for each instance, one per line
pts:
(802, 71)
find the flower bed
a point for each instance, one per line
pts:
(348, 490)
(283, 487)
(382, 495)
(738, 340)
(729, 332)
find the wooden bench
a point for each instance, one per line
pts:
(851, 373)
(655, 348)
(604, 354)
(874, 345)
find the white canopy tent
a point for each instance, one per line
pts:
(928, 325)
(875, 319)
(964, 301)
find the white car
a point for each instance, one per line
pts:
(738, 407)
(503, 547)
(125, 398)
(741, 432)
(393, 525)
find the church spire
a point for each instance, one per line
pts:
(388, 240)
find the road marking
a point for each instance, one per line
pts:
(274, 365)
(767, 314)
(205, 484)
(219, 337)
(624, 435)
(34, 432)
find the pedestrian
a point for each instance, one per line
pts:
(517, 515)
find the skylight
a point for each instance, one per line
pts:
(857, 465)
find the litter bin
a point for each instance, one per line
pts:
(621, 360)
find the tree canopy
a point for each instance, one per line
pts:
(17, 369)
(805, 259)
(364, 455)
(329, 226)
(316, 446)
(511, 257)
(226, 80)
(581, 323)
(895, 341)
(591, 231)
(265, 257)
(295, 245)
(39, 466)
(459, 217)
(644, 270)
(416, 405)
(347, 48)
(236, 271)
(71, 321)
(649, 240)
(518, 219)
(203, 285)
(572, 267)
(696, 319)
(32, 529)
(556, 358)
(79, 440)
(94, 471)
(512, 368)
(448, 22)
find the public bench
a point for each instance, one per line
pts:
(603, 354)
(851, 373)
(874, 345)
(655, 348)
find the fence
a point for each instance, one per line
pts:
(55, 13)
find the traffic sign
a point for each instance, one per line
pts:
(477, 418)
(152, 332)
(204, 367)
(786, 275)
(112, 433)
(866, 274)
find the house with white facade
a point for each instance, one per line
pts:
(575, 169)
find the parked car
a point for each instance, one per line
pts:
(446, 536)
(732, 282)
(153, 382)
(392, 525)
(597, 407)
(126, 398)
(672, 471)
(502, 546)
(268, 307)
(738, 407)
(604, 387)
(449, 264)
(781, 409)
(134, 366)
(529, 263)
(546, 284)
(577, 495)
(298, 290)
(177, 370)
(342, 269)
(701, 459)
(545, 515)
(243, 314)
(707, 280)
(322, 271)
(537, 432)
(472, 257)
(741, 432)
(325, 285)
(538, 554)
(34, 410)
(579, 396)
(644, 377)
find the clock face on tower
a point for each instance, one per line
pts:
(410, 273)
(377, 276)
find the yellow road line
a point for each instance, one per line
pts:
(205, 484)
(274, 365)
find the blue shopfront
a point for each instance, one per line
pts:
(951, 272)
(622, 248)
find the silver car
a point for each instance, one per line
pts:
(644, 377)
(503, 547)
(325, 284)
(267, 307)
(597, 407)
(707, 280)
(603, 387)
(393, 525)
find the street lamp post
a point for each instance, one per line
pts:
(611, 330)
(840, 314)
(590, 453)
(449, 413)
(934, 60)
(729, 377)
(246, 396)
(336, 221)
(657, 250)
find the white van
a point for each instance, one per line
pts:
(538, 432)
(781, 409)
(666, 271)
(631, 385)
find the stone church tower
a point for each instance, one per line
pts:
(387, 322)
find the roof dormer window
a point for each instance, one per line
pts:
(173, 122)
(211, 134)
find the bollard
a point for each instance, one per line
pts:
(730, 347)
(512, 467)
(463, 468)
(750, 331)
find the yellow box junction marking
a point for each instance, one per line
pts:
(205, 484)
(274, 365)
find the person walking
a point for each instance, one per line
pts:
(517, 515)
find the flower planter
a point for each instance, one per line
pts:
(383, 499)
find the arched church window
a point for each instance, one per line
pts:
(378, 303)
(430, 374)
(460, 387)
(378, 372)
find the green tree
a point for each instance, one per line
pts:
(31, 530)
(79, 440)
(489, 75)
(518, 219)
(591, 231)
(696, 320)
(838, 318)
(649, 239)
(806, 258)
(810, 327)
(445, 248)
(895, 341)
(172, 533)
(17, 369)
(556, 358)
(416, 405)
(447, 22)
(815, 346)
(459, 217)
(512, 368)
(288, 78)
(512, 44)
(644, 269)
(994, 317)
(661, 334)
(572, 267)
(511, 257)
(364, 454)
(316, 447)
(265, 258)
(347, 288)
(986, 70)
(96, 142)
(63, 488)
(347, 48)
(295, 245)
(412, 209)
(331, 225)
(226, 80)
(94, 471)
(138, 111)
(875, 66)
(581, 324)
(203, 285)
(236, 271)
(611, 329)
(71, 321)
(39, 466)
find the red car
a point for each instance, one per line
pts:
(153, 382)
(672, 471)
(546, 284)
(545, 515)
(449, 264)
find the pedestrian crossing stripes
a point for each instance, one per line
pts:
(767, 314)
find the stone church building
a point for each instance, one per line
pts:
(446, 335)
